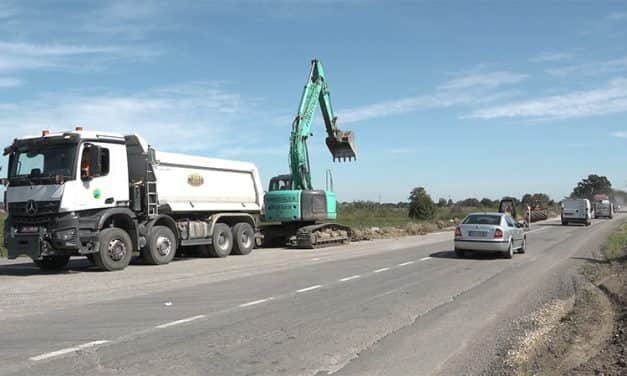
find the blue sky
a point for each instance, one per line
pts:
(468, 99)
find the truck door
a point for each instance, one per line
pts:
(103, 175)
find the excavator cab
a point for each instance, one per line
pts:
(342, 145)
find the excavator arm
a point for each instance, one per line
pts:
(341, 144)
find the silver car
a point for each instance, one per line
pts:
(490, 232)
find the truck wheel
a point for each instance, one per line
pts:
(243, 238)
(52, 262)
(222, 241)
(115, 249)
(160, 246)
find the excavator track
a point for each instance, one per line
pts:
(320, 235)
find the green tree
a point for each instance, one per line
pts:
(541, 198)
(420, 204)
(592, 185)
(441, 203)
(486, 202)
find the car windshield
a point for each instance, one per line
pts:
(41, 163)
(482, 219)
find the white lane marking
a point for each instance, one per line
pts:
(349, 278)
(255, 302)
(381, 270)
(309, 288)
(406, 263)
(68, 350)
(178, 322)
(315, 259)
(426, 258)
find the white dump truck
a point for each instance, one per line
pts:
(576, 210)
(109, 197)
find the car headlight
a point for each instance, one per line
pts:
(65, 235)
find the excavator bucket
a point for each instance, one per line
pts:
(342, 146)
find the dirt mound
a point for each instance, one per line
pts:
(586, 336)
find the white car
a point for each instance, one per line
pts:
(490, 232)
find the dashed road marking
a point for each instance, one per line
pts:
(68, 350)
(350, 278)
(178, 322)
(254, 302)
(309, 288)
(315, 259)
(381, 270)
(406, 263)
(426, 258)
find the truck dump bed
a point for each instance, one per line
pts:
(190, 183)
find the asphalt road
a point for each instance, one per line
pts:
(389, 307)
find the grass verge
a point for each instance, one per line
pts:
(616, 244)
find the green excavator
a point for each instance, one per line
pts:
(305, 213)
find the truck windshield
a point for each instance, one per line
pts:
(44, 165)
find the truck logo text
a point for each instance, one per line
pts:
(195, 180)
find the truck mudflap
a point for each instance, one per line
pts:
(320, 235)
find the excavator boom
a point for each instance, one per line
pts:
(341, 144)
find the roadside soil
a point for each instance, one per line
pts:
(583, 335)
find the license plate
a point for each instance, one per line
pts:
(28, 229)
(478, 234)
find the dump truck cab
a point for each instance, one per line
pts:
(57, 184)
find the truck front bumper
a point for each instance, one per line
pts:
(58, 238)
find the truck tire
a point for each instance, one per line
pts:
(52, 262)
(115, 249)
(160, 246)
(222, 241)
(243, 238)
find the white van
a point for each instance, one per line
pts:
(603, 208)
(576, 210)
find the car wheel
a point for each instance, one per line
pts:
(52, 262)
(115, 250)
(160, 246)
(523, 247)
(510, 251)
(243, 239)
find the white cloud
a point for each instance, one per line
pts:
(490, 79)
(611, 98)
(550, 57)
(195, 117)
(615, 16)
(10, 82)
(599, 67)
(18, 56)
(620, 134)
(440, 99)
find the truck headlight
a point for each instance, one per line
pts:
(65, 235)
